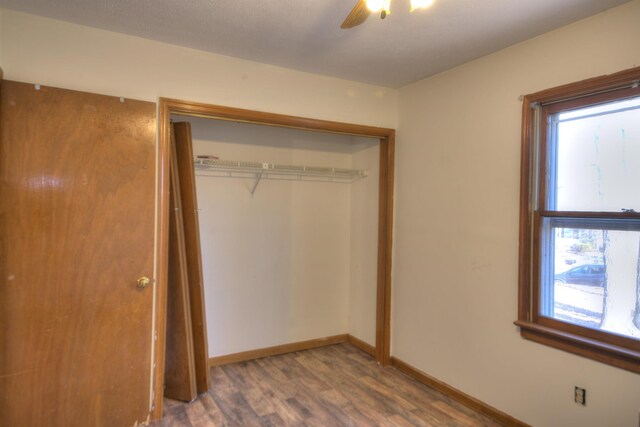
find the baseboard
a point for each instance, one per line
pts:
(367, 348)
(454, 393)
(276, 350)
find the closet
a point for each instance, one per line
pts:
(290, 261)
(289, 231)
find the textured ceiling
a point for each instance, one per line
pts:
(305, 34)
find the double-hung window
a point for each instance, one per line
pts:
(580, 219)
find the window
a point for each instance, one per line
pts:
(580, 219)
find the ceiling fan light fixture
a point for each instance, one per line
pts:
(379, 6)
(420, 4)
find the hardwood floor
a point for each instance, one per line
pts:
(337, 385)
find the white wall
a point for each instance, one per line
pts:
(455, 264)
(278, 264)
(56, 53)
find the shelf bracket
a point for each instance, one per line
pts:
(258, 178)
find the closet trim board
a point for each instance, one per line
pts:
(219, 112)
(385, 242)
(167, 107)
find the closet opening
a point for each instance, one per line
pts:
(324, 226)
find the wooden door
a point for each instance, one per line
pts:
(77, 211)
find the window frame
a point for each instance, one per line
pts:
(612, 349)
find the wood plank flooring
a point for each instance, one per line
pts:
(337, 385)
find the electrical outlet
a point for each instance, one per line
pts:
(580, 396)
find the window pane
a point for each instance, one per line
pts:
(597, 158)
(593, 278)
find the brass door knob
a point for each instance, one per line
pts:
(143, 282)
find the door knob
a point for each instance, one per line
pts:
(143, 282)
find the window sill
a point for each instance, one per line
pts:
(596, 350)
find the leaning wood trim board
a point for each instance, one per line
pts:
(188, 198)
(179, 370)
(385, 209)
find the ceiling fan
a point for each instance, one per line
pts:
(363, 9)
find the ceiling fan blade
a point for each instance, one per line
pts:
(358, 15)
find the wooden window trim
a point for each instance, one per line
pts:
(597, 345)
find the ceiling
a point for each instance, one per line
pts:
(305, 35)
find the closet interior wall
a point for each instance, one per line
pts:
(295, 260)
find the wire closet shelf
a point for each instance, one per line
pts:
(264, 170)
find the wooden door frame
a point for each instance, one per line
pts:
(167, 107)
